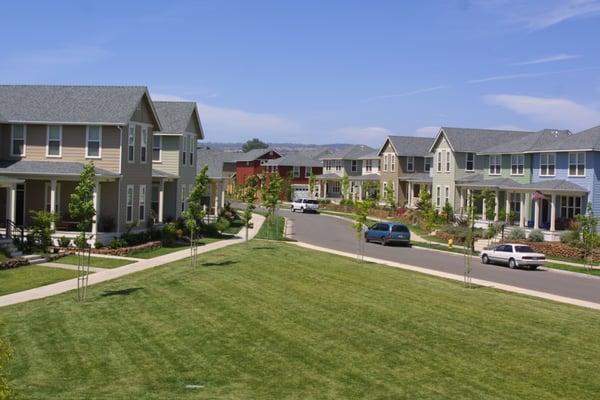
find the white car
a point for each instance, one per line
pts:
(305, 205)
(515, 255)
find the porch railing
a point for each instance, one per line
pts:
(15, 232)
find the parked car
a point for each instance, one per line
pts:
(388, 232)
(305, 205)
(514, 255)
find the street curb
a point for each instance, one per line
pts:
(454, 277)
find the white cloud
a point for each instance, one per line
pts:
(223, 124)
(548, 59)
(427, 131)
(406, 94)
(551, 112)
(560, 12)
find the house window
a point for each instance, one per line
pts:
(439, 161)
(328, 165)
(336, 187)
(296, 171)
(156, 147)
(307, 171)
(495, 168)
(410, 164)
(154, 199)
(385, 162)
(191, 151)
(182, 198)
(131, 144)
(547, 164)
(54, 136)
(428, 164)
(144, 145)
(515, 203)
(184, 150)
(392, 162)
(93, 140)
(469, 162)
(570, 206)
(576, 164)
(129, 204)
(142, 208)
(446, 194)
(354, 165)
(438, 196)
(368, 165)
(447, 161)
(517, 162)
(18, 134)
(338, 165)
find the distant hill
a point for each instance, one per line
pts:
(284, 147)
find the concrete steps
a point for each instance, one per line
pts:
(35, 259)
(8, 246)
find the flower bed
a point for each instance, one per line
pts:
(122, 251)
(13, 263)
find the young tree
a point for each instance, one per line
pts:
(272, 196)
(195, 213)
(469, 241)
(389, 195)
(254, 144)
(249, 197)
(345, 187)
(361, 214)
(589, 234)
(81, 208)
(312, 184)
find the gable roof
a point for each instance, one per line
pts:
(295, 160)
(102, 105)
(547, 138)
(255, 154)
(474, 140)
(349, 153)
(176, 115)
(214, 159)
(410, 146)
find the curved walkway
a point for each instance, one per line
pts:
(108, 274)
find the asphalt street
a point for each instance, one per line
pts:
(338, 234)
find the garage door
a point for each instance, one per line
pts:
(300, 193)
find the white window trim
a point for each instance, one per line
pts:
(296, 171)
(495, 157)
(87, 140)
(127, 205)
(438, 196)
(512, 163)
(392, 162)
(569, 164)
(142, 203)
(192, 150)
(448, 166)
(307, 172)
(385, 163)
(547, 155)
(184, 150)
(60, 139)
(144, 131)
(439, 161)
(12, 140)
(467, 162)
(446, 195)
(131, 161)
(412, 162)
(159, 148)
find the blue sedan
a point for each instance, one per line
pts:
(388, 232)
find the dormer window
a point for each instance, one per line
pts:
(54, 145)
(428, 164)
(469, 162)
(156, 147)
(93, 141)
(410, 164)
(354, 165)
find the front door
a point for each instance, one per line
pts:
(20, 209)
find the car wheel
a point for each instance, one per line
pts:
(384, 242)
(303, 210)
(512, 264)
(293, 209)
(485, 259)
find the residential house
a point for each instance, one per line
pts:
(219, 177)
(252, 163)
(405, 164)
(359, 163)
(174, 158)
(48, 133)
(297, 167)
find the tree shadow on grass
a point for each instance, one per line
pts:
(122, 292)
(219, 263)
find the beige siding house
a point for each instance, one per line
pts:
(47, 135)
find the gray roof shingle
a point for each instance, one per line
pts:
(175, 115)
(551, 185)
(350, 153)
(547, 138)
(109, 105)
(157, 173)
(295, 160)
(410, 146)
(254, 154)
(478, 140)
(59, 168)
(215, 160)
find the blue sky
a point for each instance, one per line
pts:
(325, 71)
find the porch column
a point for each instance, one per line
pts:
(409, 190)
(360, 194)
(325, 189)
(483, 216)
(53, 200)
(523, 214)
(497, 208)
(161, 201)
(507, 206)
(461, 203)
(468, 199)
(553, 213)
(222, 193)
(96, 202)
(217, 202)
(536, 214)
(11, 200)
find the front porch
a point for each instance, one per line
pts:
(361, 187)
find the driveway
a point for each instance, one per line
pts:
(338, 234)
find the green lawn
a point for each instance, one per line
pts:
(161, 251)
(269, 320)
(272, 228)
(3, 257)
(31, 276)
(99, 262)
(573, 268)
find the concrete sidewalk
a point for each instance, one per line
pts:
(108, 274)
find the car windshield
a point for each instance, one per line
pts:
(524, 249)
(399, 228)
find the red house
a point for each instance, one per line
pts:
(252, 163)
(297, 166)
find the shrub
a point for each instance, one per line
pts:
(222, 224)
(516, 234)
(117, 243)
(41, 229)
(169, 233)
(80, 242)
(64, 241)
(98, 245)
(536, 235)
(569, 237)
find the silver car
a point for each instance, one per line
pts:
(514, 255)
